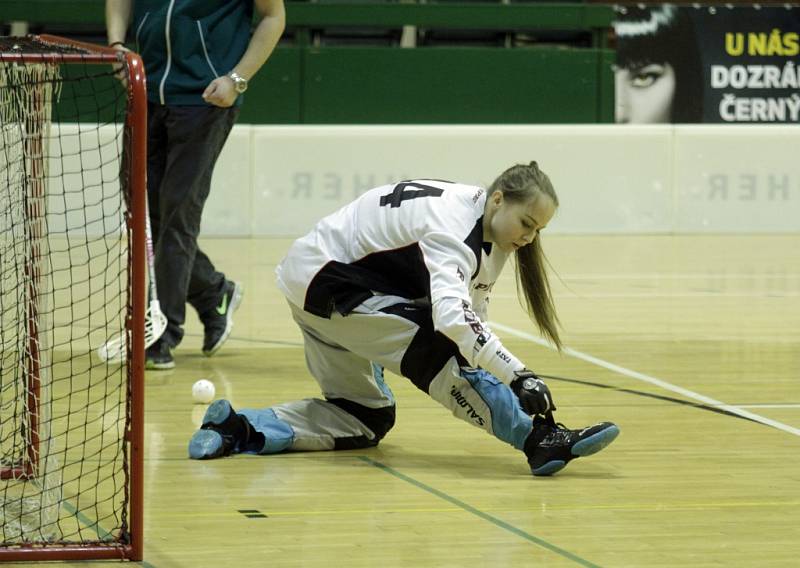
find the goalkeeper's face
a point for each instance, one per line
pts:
(513, 224)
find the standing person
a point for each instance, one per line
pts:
(400, 279)
(658, 75)
(199, 56)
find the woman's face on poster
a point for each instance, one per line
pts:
(644, 93)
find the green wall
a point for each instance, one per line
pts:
(307, 81)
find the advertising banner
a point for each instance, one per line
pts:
(708, 64)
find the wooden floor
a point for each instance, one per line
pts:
(690, 344)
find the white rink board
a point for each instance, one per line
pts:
(309, 172)
(278, 180)
(742, 180)
(610, 178)
(83, 180)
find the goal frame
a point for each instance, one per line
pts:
(131, 545)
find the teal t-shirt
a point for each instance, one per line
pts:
(185, 44)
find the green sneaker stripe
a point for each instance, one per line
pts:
(223, 307)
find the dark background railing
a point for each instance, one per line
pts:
(372, 62)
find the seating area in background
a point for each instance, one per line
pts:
(408, 36)
(44, 18)
(363, 61)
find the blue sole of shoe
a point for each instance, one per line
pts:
(217, 413)
(595, 442)
(549, 468)
(205, 445)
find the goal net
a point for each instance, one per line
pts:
(71, 216)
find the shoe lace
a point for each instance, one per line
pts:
(558, 435)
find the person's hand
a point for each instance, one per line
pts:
(119, 68)
(534, 396)
(220, 92)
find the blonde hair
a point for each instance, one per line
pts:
(522, 183)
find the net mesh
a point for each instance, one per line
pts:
(64, 290)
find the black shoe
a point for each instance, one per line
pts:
(219, 320)
(223, 432)
(158, 356)
(550, 447)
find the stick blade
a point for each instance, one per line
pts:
(155, 324)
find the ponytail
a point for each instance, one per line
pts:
(532, 284)
(521, 183)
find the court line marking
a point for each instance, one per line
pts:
(769, 406)
(95, 526)
(665, 294)
(685, 276)
(478, 513)
(650, 379)
(631, 506)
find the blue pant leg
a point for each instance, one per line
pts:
(278, 434)
(480, 398)
(509, 422)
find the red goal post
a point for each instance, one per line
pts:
(72, 275)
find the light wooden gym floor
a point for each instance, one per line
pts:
(663, 333)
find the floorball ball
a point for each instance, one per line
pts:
(203, 391)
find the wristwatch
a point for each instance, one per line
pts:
(239, 82)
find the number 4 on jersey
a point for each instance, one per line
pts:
(400, 193)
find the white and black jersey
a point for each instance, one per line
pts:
(418, 239)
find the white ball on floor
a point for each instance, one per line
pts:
(203, 391)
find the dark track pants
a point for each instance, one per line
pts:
(184, 143)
